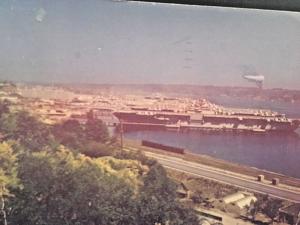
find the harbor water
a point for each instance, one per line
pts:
(273, 152)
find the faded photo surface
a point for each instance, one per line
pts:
(145, 113)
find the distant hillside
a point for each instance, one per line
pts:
(195, 91)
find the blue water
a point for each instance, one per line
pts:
(273, 152)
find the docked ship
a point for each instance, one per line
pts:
(235, 121)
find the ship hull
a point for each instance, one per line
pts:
(215, 123)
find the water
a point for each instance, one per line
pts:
(290, 109)
(273, 152)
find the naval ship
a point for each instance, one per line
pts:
(238, 121)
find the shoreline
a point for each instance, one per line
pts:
(244, 170)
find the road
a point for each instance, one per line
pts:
(241, 181)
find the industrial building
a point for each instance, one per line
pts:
(240, 199)
(233, 197)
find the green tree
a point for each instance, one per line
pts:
(95, 149)
(8, 125)
(135, 155)
(70, 133)
(96, 130)
(8, 176)
(158, 202)
(31, 133)
(27, 130)
(61, 188)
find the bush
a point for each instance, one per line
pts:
(95, 149)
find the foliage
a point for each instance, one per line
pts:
(128, 170)
(272, 207)
(27, 130)
(95, 149)
(258, 206)
(198, 197)
(8, 177)
(77, 136)
(136, 155)
(96, 130)
(32, 133)
(69, 133)
(8, 169)
(4, 107)
(158, 201)
(265, 205)
(60, 188)
(8, 124)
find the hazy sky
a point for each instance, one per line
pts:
(123, 42)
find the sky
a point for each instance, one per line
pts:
(103, 41)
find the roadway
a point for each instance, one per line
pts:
(248, 183)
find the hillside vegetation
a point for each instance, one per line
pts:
(74, 174)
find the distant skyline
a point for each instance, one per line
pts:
(101, 41)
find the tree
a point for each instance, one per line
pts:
(136, 155)
(158, 201)
(4, 107)
(272, 207)
(198, 197)
(8, 124)
(8, 176)
(69, 133)
(31, 133)
(96, 130)
(61, 188)
(257, 206)
(27, 130)
(265, 205)
(72, 126)
(95, 149)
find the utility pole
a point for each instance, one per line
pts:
(121, 133)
